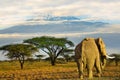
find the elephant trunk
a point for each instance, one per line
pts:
(104, 59)
(103, 63)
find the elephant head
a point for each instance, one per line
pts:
(102, 51)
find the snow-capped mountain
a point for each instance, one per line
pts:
(65, 26)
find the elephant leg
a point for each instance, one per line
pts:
(80, 68)
(90, 73)
(98, 67)
(90, 67)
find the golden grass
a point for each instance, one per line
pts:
(44, 71)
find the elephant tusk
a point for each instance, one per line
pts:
(110, 57)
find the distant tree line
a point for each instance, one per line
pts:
(115, 59)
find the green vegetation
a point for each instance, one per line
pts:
(19, 51)
(51, 45)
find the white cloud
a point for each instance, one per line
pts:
(16, 35)
(110, 28)
(16, 12)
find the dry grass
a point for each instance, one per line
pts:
(44, 71)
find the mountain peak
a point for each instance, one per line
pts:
(54, 18)
(62, 18)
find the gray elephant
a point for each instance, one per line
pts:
(89, 53)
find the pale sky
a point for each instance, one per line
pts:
(15, 12)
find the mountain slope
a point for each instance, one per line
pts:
(66, 26)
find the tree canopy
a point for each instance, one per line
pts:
(51, 45)
(19, 51)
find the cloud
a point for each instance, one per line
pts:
(16, 35)
(17, 12)
(115, 28)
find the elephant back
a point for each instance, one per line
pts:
(86, 47)
(89, 47)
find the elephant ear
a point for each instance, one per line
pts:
(102, 51)
(101, 47)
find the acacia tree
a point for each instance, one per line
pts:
(51, 45)
(19, 51)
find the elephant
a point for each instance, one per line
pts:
(88, 54)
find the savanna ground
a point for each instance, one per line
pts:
(44, 71)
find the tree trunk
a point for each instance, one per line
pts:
(21, 61)
(116, 62)
(67, 60)
(53, 62)
(21, 65)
